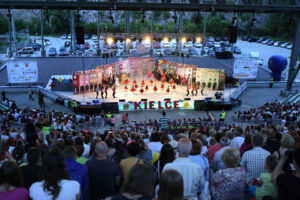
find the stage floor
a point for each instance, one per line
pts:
(178, 94)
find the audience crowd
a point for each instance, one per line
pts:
(51, 158)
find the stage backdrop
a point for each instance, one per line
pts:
(22, 72)
(245, 68)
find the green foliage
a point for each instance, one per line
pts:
(157, 15)
(20, 24)
(90, 28)
(157, 28)
(139, 27)
(189, 27)
(4, 28)
(60, 21)
(171, 28)
(216, 26)
(167, 15)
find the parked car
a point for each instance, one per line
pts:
(156, 45)
(277, 43)
(237, 50)
(64, 36)
(63, 52)
(260, 40)
(244, 38)
(69, 36)
(26, 50)
(90, 52)
(86, 36)
(270, 43)
(158, 52)
(67, 43)
(284, 44)
(166, 45)
(52, 52)
(211, 39)
(218, 49)
(217, 39)
(265, 41)
(35, 46)
(208, 44)
(224, 39)
(94, 37)
(187, 45)
(252, 39)
(211, 53)
(193, 52)
(227, 49)
(198, 45)
(78, 46)
(80, 52)
(86, 45)
(289, 46)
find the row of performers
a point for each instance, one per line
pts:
(134, 88)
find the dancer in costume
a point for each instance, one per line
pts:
(126, 88)
(126, 81)
(155, 88)
(187, 90)
(102, 92)
(168, 89)
(134, 82)
(142, 90)
(106, 89)
(151, 81)
(143, 83)
(114, 92)
(149, 75)
(174, 87)
(136, 86)
(132, 89)
(146, 88)
(162, 86)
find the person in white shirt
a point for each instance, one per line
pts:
(56, 184)
(192, 174)
(155, 145)
(218, 163)
(238, 140)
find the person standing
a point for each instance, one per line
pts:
(30, 93)
(271, 82)
(187, 90)
(3, 93)
(164, 122)
(106, 89)
(97, 92)
(202, 89)
(114, 92)
(104, 175)
(102, 92)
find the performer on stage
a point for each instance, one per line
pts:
(162, 86)
(136, 86)
(146, 88)
(168, 89)
(155, 88)
(174, 87)
(106, 89)
(183, 81)
(134, 82)
(97, 92)
(171, 81)
(117, 81)
(126, 81)
(143, 83)
(142, 90)
(149, 75)
(202, 89)
(187, 90)
(126, 88)
(110, 80)
(151, 81)
(114, 92)
(132, 89)
(102, 92)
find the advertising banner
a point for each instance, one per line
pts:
(245, 68)
(22, 72)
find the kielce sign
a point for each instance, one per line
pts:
(151, 105)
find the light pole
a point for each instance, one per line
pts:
(43, 52)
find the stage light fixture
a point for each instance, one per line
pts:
(166, 40)
(148, 40)
(198, 39)
(109, 40)
(128, 40)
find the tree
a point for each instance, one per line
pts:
(20, 24)
(167, 15)
(157, 15)
(171, 27)
(4, 28)
(216, 26)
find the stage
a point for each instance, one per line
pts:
(180, 93)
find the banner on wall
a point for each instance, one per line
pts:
(155, 105)
(22, 72)
(245, 68)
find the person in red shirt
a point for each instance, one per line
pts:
(214, 147)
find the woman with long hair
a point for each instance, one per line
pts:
(167, 155)
(56, 184)
(170, 185)
(11, 182)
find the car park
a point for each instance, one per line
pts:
(26, 50)
(63, 52)
(52, 52)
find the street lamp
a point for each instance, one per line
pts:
(148, 40)
(198, 39)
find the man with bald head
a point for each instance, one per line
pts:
(192, 174)
(104, 174)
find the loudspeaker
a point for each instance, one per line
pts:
(199, 105)
(79, 31)
(121, 100)
(232, 34)
(110, 107)
(167, 99)
(187, 99)
(144, 100)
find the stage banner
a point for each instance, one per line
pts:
(155, 105)
(245, 68)
(22, 72)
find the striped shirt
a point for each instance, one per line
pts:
(192, 175)
(164, 123)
